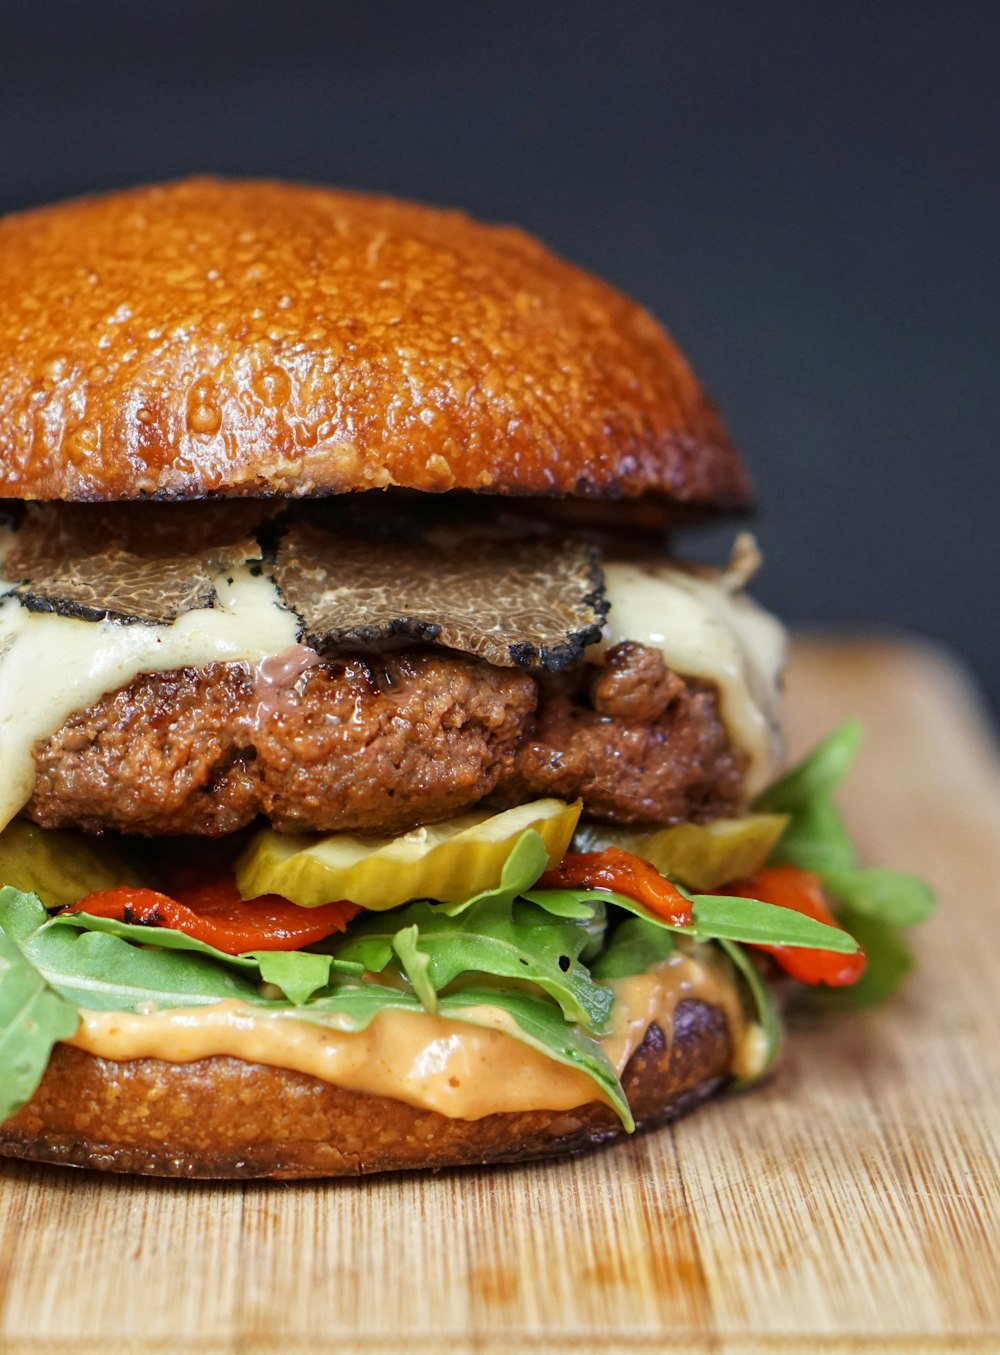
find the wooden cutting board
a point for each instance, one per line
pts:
(852, 1204)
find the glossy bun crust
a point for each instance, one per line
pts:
(253, 338)
(224, 1118)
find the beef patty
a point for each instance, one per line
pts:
(379, 745)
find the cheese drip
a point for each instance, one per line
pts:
(706, 628)
(52, 666)
(460, 1070)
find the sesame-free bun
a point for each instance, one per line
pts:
(221, 1117)
(253, 338)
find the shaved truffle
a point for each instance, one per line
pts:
(532, 602)
(129, 562)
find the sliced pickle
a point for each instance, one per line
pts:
(449, 862)
(699, 856)
(59, 865)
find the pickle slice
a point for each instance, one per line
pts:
(59, 865)
(699, 856)
(450, 862)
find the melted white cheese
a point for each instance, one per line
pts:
(52, 666)
(706, 628)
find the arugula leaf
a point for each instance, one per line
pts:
(818, 775)
(526, 862)
(33, 1018)
(107, 973)
(512, 941)
(167, 938)
(540, 1025)
(298, 973)
(734, 919)
(68, 967)
(768, 1016)
(721, 917)
(635, 945)
(889, 963)
(872, 904)
(416, 965)
(21, 914)
(886, 896)
(815, 839)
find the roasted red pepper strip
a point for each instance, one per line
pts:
(785, 886)
(801, 891)
(624, 873)
(215, 913)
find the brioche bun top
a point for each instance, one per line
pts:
(220, 338)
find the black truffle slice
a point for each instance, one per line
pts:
(534, 602)
(128, 562)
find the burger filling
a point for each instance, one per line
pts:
(280, 784)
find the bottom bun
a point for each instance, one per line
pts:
(221, 1117)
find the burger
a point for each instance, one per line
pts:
(380, 788)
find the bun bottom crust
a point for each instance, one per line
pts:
(223, 1118)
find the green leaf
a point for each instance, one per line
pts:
(539, 1024)
(871, 904)
(764, 1005)
(167, 938)
(526, 862)
(889, 963)
(891, 897)
(107, 973)
(416, 965)
(21, 913)
(298, 973)
(735, 919)
(104, 972)
(816, 839)
(818, 775)
(32, 1019)
(635, 946)
(717, 916)
(518, 942)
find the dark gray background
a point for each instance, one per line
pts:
(806, 192)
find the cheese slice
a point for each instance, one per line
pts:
(706, 627)
(52, 666)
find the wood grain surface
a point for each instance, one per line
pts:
(852, 1204)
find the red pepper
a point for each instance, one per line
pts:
(785, 886)
(624, 873)
(215, 913)
(801, 891)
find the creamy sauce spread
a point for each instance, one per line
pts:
(461, 1070)
(705, 627)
